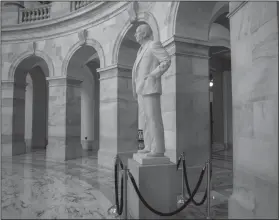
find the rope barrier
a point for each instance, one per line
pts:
(188, 186)
(170, 213)
(119, 207)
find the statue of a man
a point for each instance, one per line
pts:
(151, 63)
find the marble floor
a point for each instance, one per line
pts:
(36, 188)
(222, 179)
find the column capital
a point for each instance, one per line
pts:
(115, 70)
(59, 81)
(7, 84)
(181, 46)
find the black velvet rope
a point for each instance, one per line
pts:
(119, 207)
(188, 187)
(170, 213)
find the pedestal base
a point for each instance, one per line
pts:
(87, 144)
(144, 160)
(158, 185)
(59, 150)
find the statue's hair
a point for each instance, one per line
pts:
(146, 28)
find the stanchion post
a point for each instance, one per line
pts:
(182, 198)
(125, 199)
(183, 187)
(208, 166)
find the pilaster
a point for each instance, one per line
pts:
(118, 115)
(185, 105)
(64, 119)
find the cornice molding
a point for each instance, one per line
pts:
(115, 70)
(90, 16)
(180, 39)
(114, 66)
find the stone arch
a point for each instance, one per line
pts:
(219, 36)
(37, 66)
(146, 17)
(172, 16)
(219, 9)
(89, 42)
(190, 19)
(38, 56)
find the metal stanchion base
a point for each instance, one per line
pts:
(181, 200)
(112, 211)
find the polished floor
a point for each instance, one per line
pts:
(36, 188)
(222, 179)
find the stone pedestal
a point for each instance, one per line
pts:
(144, 160)
(118, 118)
(157, 184)
(64, 122)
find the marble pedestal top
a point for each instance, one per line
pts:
(144, 160)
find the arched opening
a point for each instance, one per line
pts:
(220, 98)
(220, 87)
(193, 19)
(30, 105)
(220, 83)
(129, 47)
(83, 66)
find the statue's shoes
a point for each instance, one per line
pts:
(152, 154)
(143, 151)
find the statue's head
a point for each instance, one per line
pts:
(143, 32)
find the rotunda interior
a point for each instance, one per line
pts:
(71, 125)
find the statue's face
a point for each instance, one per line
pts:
(139, 35)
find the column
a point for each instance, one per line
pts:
(227, 106)
(28, 113)
(64, 119)
(185, 106)
(217, 108)
(254, 49)
(13, 118)
(118, 115)
(87, 115)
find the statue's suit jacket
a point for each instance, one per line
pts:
(148, 58)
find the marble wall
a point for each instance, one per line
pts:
(254, 43)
